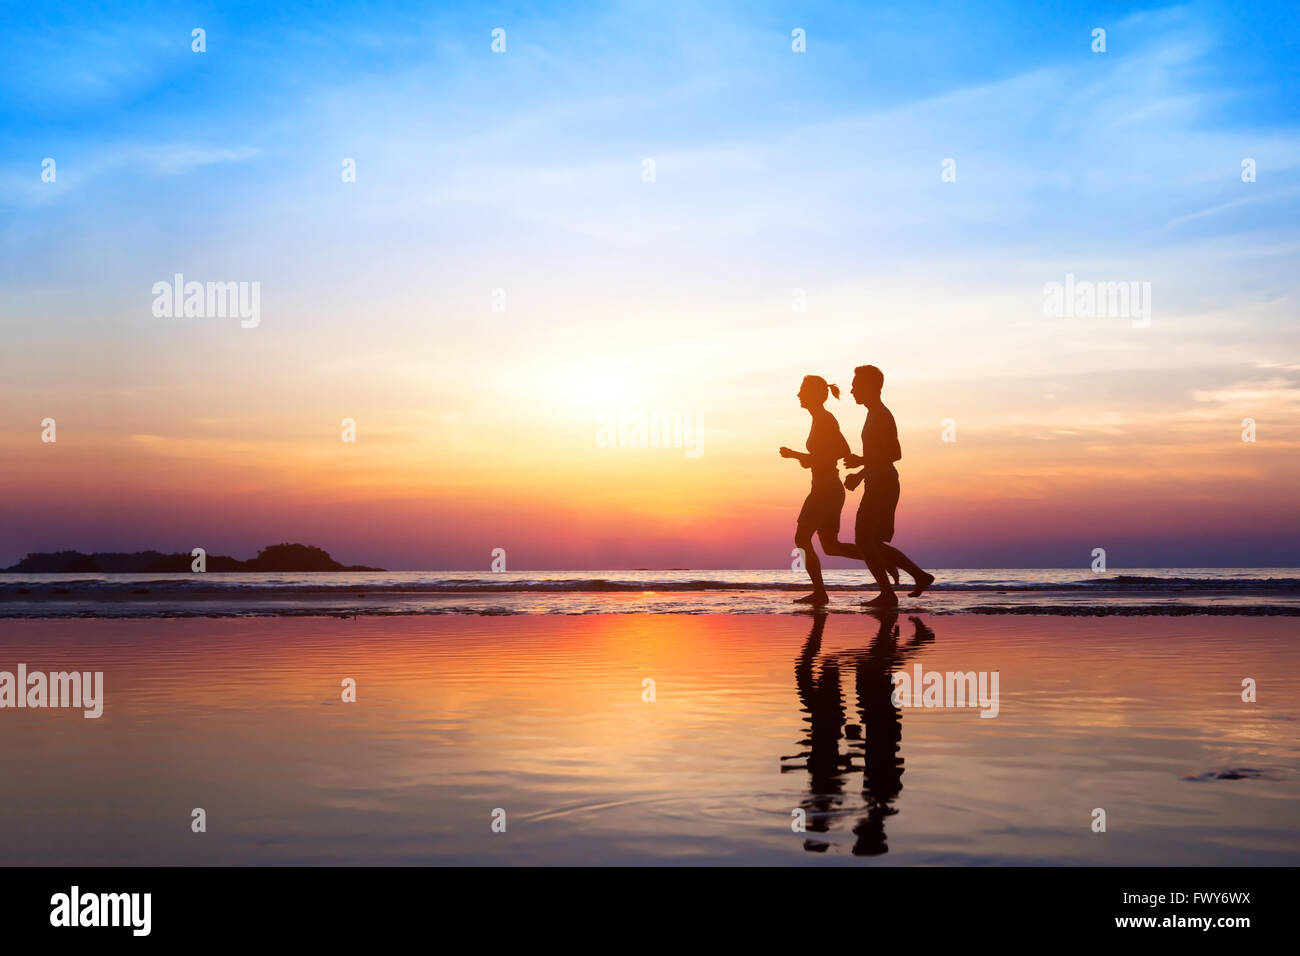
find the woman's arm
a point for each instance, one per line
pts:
(802, 457)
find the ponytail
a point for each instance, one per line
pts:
(816, 381)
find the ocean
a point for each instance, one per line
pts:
(1237, 591)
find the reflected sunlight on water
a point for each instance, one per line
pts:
(754, 718)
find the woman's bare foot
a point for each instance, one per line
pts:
(817, 597)
(923, 582)
(884, 599)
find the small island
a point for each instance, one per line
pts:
(275, 557)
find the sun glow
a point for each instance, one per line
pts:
(599, 387)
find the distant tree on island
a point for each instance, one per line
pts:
(275, 557)
(297, 557)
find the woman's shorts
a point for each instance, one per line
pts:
(876, 512)
(821, 509)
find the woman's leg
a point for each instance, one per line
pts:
(828, 530)
(833, 546)
(812, 564)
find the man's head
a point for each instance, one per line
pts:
(867, 383)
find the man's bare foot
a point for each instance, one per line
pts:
(888, 599)
(817, 597)
(923, 582)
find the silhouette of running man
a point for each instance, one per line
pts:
(821, 509)
(882, 729)
(874, 528)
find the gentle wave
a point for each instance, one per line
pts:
(227, 610)
(1157, 591)
(1284, 581)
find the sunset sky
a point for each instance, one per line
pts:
(774, 171)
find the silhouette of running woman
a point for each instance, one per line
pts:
(821, 509)
(823, 702)
(874, 528)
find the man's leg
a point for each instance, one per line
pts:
(897, 558)
(865, 532)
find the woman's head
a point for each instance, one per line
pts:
(813, 391)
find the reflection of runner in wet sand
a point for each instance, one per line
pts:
(821, 509)
(882, 729)
(875, 740)
(819, 692)
(875, 522)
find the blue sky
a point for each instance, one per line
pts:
(775, 171)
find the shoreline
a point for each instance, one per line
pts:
(1056, 593)
(587, 604)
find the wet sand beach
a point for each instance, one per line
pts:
(756, 723)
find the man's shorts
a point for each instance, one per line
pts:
(875, 521)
